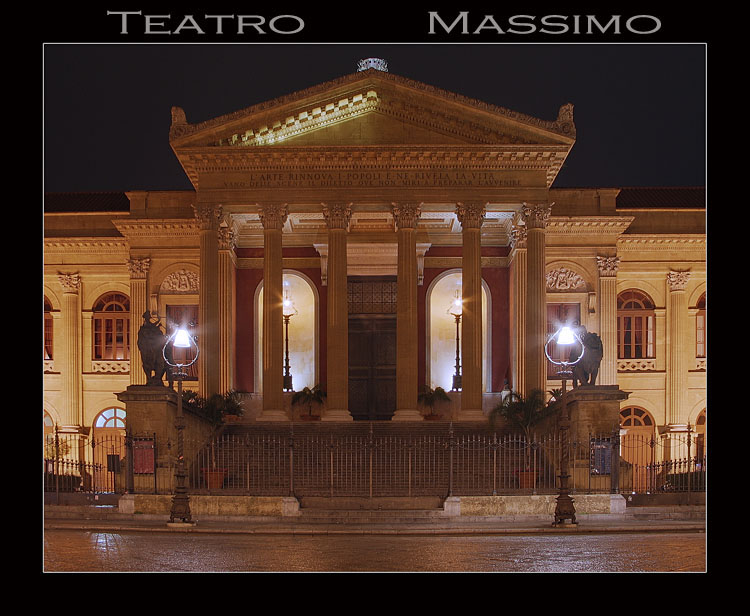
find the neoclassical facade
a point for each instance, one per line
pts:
(326, 237)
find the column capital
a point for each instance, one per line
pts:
(337, 215)
(71, 283)
(207, 215)
(608, 266)
(518, 236)
(470, 214)
(227, 238)
(406, 215)
(676, 281)
(138, 267)
(536, 216)
(273, 216)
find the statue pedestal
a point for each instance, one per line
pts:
(594, 409)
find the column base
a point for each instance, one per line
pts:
(272, 415)
(337, 415)
(471, 415)
(407, 415)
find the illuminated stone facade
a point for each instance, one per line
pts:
(410, 192)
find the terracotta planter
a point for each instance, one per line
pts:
(432, 417)
(526, 479)
(309, 417)
(214, 477)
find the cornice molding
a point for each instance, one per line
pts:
(660, 242)
(172, 227)
(86, 245)
(584, 225)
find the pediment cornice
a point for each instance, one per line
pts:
(149, 228)
(447, 111)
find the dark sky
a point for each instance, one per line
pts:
(639, 108)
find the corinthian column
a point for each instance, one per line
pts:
(608, 318)
(337, 216)
(208, 300)
(518, 305)
(676, 365)
(536, 217)
(471, 217)
(273, 217)
(406, 216)
(226, 308)
(71, 365)
(138, 269)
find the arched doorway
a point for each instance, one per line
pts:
(108, 450)
(638, 444)
(302, 296)
(441, 331)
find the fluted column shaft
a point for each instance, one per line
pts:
(208, 300)
(608, 318)
(406, 216)
(536, 217)
(71, 381)
(226, 309)
(337, 216)
(138, 269)
(471, 217)
(677, 367)
(273, 218)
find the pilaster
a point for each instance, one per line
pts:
(273, 217)
(677, 367)
(608, 267)
(535, 217)
(406, 216)
(471, 217)
(337, 217)
(72, 415)
(518, 272)
(208, 299)
(226, 308)
(138, 268)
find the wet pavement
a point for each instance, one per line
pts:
(139, 551)
(645, 540)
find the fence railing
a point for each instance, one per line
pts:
(369, 460)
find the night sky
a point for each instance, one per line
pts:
(640, 109)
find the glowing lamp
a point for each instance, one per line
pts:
(181, 339)
(566, 336)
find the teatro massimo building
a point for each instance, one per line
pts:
(367, 206)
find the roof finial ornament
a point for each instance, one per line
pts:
(377, 63)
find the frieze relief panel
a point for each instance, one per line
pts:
(181, 281)
(564, 279)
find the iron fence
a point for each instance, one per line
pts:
(371, 459)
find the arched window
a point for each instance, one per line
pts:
(47, 329)
(635, 325)
(112, 327)
(700, 327)
(634, 417)
(110, 418)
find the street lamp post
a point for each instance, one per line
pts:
(564, 509)
(456, 310)
(180, 501)
(288, 311)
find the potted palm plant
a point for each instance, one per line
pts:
(429, 397)
(216, 409)
(309, 397)
(524, 414)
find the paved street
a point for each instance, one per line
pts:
(107, 551)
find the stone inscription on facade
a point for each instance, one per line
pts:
(396, 179)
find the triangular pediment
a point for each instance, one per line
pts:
(371, 108)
